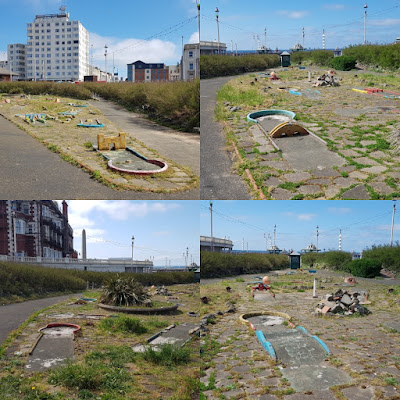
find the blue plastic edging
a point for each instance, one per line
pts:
(256, 114)
(267, 345)
(324, 346)
(91, 126)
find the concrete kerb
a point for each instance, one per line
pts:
(244, 317)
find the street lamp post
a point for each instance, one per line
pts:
(317, 237)
(211, 211)
(105, 62)
(391, 233)
(365, 23)
(198, 16)
(133, 241)
(217, 15)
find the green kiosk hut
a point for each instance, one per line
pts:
(294, 260)
(285, 59)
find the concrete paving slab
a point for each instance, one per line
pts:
(264, 297)
(260, 321)
(314, 377)
(305, 153)
(178, 336)
(50, 352)
(393, 325)
(357, 393)
(293, 347)
(357, 193)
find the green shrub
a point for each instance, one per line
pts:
(388, 256)
(366, 268)
(322, 58)
(167, 354)
(344, 63)
(124, 291)
(214, 265)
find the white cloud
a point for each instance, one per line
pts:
(384, 22)
(300, 217)
(130, 50)
(194, 38)
(306, 217)
(333, 7)
(339, 210)
(293, 14)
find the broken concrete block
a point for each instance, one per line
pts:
(325, 309)
(346, 300)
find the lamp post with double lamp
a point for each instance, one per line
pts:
(217, 15)
(212, 240)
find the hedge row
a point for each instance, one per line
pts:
(214, 265)
(388, 256)
(213, 66)
(28, 281)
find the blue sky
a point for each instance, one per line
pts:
(343, 22)
(363, 223)
(118, 24)
(161, 229)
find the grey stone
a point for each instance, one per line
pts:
(357, 393)
(325, 172)
(378, 154)
(345, 182)
(367, 142)
(366, 161)
(296, 177)
(309, 189)
(357, 175)
(358, 193)
(349, 153)
(347, 168)
(266, 148)
(346, 299)
(281, 165)
(374, 170)
(395, 175)
(381, 187)
(331, 191)
(319, 181)
(273, 181)
(281, 194)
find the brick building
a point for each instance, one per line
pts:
(143, 72)
(35, 228)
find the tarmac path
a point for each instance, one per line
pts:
(181, 147)
(29, 170)
(218, 181)
(13, 315)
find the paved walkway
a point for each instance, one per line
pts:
(29, 170)
(362, 348)
(13, 315)
(218, 181)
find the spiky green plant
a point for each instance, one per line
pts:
(124, 291)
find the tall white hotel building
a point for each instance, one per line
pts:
(57, 48)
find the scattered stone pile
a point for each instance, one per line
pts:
(212, 318)
(230, 108)
(342, 302)
(327, 79)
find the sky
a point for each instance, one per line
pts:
(363, 223)
(162, 229)
(343, 21)
(123, 25)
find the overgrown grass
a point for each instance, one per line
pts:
(235, 96)
(176, 104)
(20, 281)
(214, 65)
(90, 375)
(123, 324)
(167, 354)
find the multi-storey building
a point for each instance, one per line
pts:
(57, 48)
(16, 58)
(142, 72)
(35, 228)
(191, 62)
(174, 72)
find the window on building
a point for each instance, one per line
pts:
(57, 36)
(191, 67)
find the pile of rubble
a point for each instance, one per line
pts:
(327, 79)
(343, 302)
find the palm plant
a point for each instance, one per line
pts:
(124, 291)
